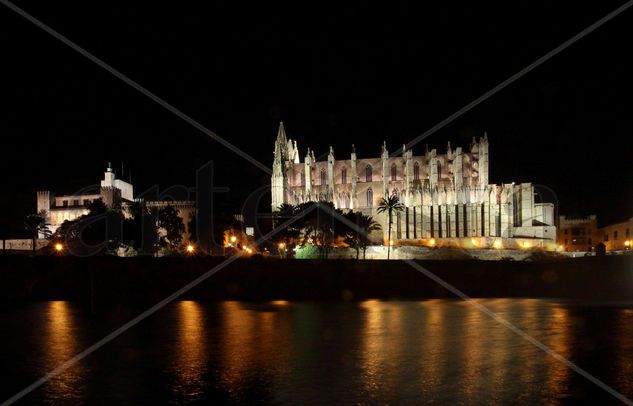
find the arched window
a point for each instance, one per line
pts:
(394, 173)
(370, 198)
(368, 172)
(303, 179)
(323, 177)
(416, 171)
(344, 175)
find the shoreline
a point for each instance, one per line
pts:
(148, 279)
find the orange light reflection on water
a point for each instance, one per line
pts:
(61, 345)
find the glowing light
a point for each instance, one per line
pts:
(391, 242)
(526, 244)
(248, 249)
(432, 242)
(497, 244)
(190, 248)
(233, 238)
(59, 247)
(282, 245)
(561, 248)
(627, 243)
(473, 242)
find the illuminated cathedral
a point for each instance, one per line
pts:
(446, 196)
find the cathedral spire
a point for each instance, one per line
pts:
(281, 144)
(281, 133)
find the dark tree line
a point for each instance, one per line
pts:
(322, 225)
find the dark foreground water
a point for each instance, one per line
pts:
(433, 351)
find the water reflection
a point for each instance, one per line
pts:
(380, 345)
(253, 348)
(560, 328)
(373, 352)
(191, 351)
(624, 350)
(460, 347)
(61, 344)
(433, 345)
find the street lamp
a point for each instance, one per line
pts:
(190, 249)
(59, 247)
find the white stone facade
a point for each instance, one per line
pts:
(114, 193)
(446, 196)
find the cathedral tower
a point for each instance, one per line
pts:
(279, 180)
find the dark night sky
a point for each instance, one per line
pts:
(336, 73)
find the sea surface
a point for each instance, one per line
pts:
(372, 352)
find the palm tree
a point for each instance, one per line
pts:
(358, 237)
(390, 204)
(288, 235)
(36, 224)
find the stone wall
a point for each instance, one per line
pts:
(437, 253)
(23, 244)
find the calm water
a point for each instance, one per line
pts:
(435, 351)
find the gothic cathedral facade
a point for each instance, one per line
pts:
(447, 197)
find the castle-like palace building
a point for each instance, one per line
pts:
(447, 197)
(113, 192)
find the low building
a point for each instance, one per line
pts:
(577, 233)
(113, 192)
(617, 236)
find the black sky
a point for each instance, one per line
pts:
(337, 73)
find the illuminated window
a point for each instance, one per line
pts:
(368, 171)
(416, 171)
